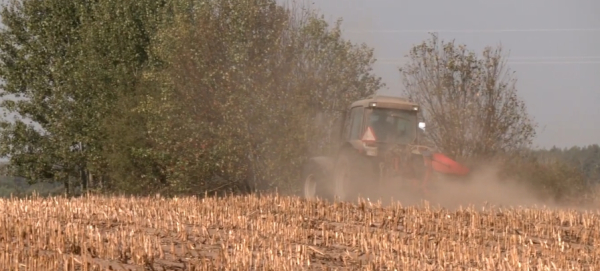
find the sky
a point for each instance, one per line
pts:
(553, 46)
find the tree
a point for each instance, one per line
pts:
(240, 87)
(165, 95)
(36, 47)
(68, 62)
(470, 102)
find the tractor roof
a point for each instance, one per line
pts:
(387, 102)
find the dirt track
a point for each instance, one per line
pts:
(285, 233)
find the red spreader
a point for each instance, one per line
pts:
(442, 163)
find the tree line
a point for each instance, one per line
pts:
(173, 96)
(202, 96)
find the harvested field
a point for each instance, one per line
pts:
(287, 233)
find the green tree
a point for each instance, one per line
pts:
(68, 62)
(36, 46)
(470, 102)
(240, 89)
(140, 96)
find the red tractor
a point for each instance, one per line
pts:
(379, 150)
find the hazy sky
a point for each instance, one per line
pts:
(554, 49)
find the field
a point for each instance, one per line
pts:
(287, 233)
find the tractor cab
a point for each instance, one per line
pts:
(377, 124)
(391, 126)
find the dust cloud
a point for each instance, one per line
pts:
(481, 188)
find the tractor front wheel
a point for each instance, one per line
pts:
(315, 176)
(310, 187)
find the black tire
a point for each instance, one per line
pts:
(315, 178)
(352, 176)
(310, 187)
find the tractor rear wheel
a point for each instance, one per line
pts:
(351, 176)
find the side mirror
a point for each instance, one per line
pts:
(422, 125)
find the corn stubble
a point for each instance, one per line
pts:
(286, 233)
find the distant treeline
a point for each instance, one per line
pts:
(585, 159)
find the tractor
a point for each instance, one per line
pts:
(379, 148)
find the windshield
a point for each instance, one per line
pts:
(393, 125)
